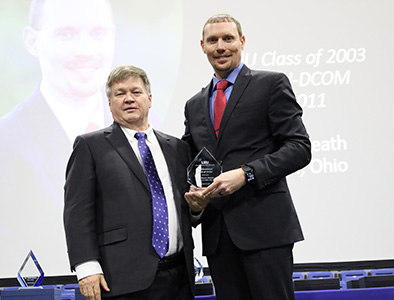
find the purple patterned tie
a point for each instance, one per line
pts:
(159, 204)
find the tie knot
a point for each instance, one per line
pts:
(140, 135)
(222, 85)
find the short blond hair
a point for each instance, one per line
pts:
(123, 72)
(36, 12)
(223, 18)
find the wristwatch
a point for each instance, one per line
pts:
(249, 173)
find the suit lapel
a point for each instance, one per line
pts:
(206, 116)
(171, 160)
(166, 149)
(240, 85)
(118, 140)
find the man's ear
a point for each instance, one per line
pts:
(150, 100)
(30, 38)
(202, 46)
(243, 42)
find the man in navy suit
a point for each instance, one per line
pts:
(109, 202)
(249, 223)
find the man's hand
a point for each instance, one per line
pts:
(225, 184)
(90, 286)
(195, 200)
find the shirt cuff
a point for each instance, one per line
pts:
(88, 268)
(196, 217)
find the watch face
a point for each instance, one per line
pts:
(250, 177)
(248, 173)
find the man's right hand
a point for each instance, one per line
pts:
(90, 286)
(196, 201)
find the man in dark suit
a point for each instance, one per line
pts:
(249, 223)
(109, 201)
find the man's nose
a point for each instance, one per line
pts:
(83, 46)
(129, 98)
(220, 45)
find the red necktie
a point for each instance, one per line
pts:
(219, 104)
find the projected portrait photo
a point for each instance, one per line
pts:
(60, 53)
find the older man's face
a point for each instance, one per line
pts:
(130, 103)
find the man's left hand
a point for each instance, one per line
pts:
(226, 184)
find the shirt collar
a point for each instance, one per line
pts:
(230, 78)
(131, 132)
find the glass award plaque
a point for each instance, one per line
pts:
(203, 169)
(30, 273)
(198, 270)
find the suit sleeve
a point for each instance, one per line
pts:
(79, 206)
(187, 137)
(292, 145)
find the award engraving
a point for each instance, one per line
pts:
(203, 169)
(30, 273)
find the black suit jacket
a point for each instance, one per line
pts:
(108, 212)
(261, 127)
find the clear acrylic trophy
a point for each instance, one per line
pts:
(198, 270)
(30, 273)
(203, 169)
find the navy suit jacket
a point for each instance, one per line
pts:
(108, 211)
(261, 127)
